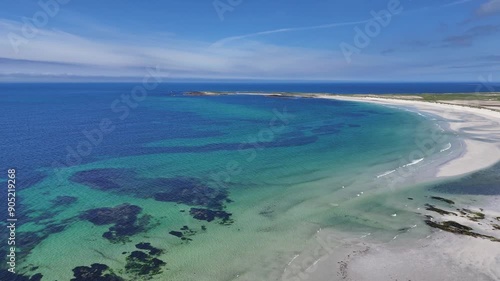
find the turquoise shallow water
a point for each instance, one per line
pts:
(221, 187)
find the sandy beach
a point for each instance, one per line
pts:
(441, 255)
(438, 255)
(479, 128)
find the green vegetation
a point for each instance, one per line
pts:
(473, 216)
(443, 199)
(465, 97)
(433, 208)
(455, 227)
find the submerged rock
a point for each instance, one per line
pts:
(210, 215)
(443, 199)
(9, 276)
(183, 190)
(184, 234)
(112, 215)
(191, 191)
(142, 264)
(437, 210)
(472, 215)
(176, 233)
(30, 239)
(124, 218)
(455, 227)
(96, 272)
(147, 246)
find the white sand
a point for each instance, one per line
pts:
(479, 129)
(442, 256)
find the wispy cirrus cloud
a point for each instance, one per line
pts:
(88, 48)
(491, 7)
(57, 53)
(331, 25)
(290, 29)
(468, 37)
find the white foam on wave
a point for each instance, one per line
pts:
(448, 146)
(404, 166)
(365, 235)
(386, 173)
(296, 256)
(414, 162)
(440, 128)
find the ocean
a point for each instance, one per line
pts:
(166, 186)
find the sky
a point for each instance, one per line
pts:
(263, 40)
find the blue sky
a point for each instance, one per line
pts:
(352, 40)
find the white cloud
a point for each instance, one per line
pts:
(491, 7)
(54, 52)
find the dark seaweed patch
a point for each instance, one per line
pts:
(118, 214)
(182, 190)
(9, 276)
(184, 233)
(96, 272)
(29, 240)
(210, 215)
(437, 210)
(104, 179)
(473, 216)
(63, 201)
(142, 264)
(455, 227)
(124, 218)
(443, 200)
(278, 142)
(147, 246)
(176, 233)
(190, 191)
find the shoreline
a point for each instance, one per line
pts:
(432, 257)
(439, 252)
(478, 128)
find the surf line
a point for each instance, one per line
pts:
(404, 166)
